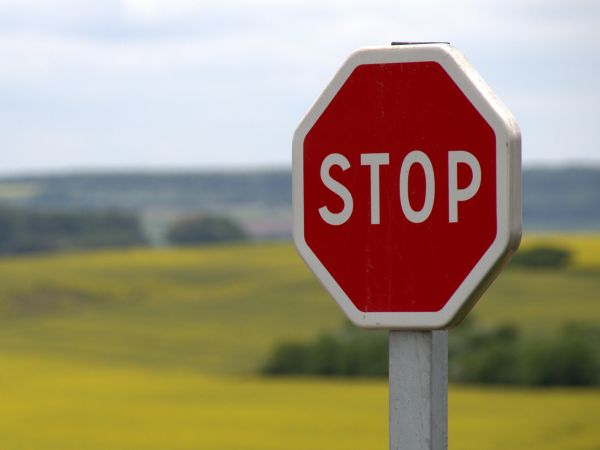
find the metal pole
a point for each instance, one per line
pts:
(418, 390)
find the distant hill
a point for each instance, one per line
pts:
(192, 191)
(260, 200)
(561, 199)
(553, 199)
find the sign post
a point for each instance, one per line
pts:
(418, 390)
(406, 202)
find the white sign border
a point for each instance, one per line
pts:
(508, 185)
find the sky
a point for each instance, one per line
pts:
(181, 84)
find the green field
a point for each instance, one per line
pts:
(158, 349)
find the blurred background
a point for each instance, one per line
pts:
(150, 297)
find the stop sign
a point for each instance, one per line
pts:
(406, 187)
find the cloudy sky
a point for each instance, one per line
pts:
(202, 84)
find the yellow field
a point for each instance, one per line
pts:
(222, 309)
(146, 349)
(585, 248)
(51, 404)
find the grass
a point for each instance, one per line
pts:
(221, 309)
(541, 300)
(157, 349)
(217, 310)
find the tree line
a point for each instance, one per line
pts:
(24, 231)
(476, 354)
(28, 231)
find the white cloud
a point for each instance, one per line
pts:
(34, 5)
(149, 74)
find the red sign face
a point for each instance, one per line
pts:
(404, 188)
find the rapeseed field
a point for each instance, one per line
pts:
(158, 349)
(60, 405)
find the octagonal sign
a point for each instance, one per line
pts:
(406, 187)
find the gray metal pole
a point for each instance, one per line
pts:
(418, 390)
